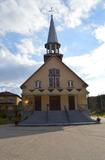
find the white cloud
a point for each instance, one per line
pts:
(59, 28)
(26, 17)
(100, 33)
(13, 87)
(64, 49)
(96, 86)
(79, 10)
(15, 69)
(91, 67)
(21, 17)
(6, 57)
(103, 4)
(27, 47)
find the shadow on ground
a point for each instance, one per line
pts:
(10, 131)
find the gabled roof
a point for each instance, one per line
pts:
(52, 36)
(45, 64)
(6, 93)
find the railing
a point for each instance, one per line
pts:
(84, 111)
(27, 116)
(83, 106)
(47, 113)
(67, 114)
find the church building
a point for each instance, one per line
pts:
(54, 86)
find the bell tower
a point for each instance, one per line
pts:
(52, 46)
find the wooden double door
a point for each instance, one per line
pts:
(71, 100)
(37, 103)
(54, 103)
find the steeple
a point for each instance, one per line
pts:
(52, 46)
(52, 36)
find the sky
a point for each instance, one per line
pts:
(80, 27)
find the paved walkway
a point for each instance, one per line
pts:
(102, 119)
(85, 142)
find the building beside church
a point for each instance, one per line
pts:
(9, 102)
(54, 86)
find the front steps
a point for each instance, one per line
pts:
(43, 118)
(79, 116)
(38, 117)
(57, 117)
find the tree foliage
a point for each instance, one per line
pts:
(97, 103)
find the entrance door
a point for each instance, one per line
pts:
(54, 103)
(37, 103)
(71, 102)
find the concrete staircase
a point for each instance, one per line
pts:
(38, 117)
(26, 114)
(79, 116)
(57, 118)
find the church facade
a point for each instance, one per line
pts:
(54, 86)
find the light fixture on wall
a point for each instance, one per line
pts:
(26, 101)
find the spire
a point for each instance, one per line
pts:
(52, 36)
(52, 46)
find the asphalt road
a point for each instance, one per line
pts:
(85, 142)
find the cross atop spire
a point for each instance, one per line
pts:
(51, 11)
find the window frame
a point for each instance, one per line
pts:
(57, 82)
(54, 74)
(51, 84)
(38, 84)
(70, 83)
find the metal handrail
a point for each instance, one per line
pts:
(67, 114)
(26, 117)
(47, 113)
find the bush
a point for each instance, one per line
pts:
(4, 120)
(3, 114)
(101, 114)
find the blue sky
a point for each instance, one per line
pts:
(80, 27)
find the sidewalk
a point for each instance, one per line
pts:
(102, 119)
